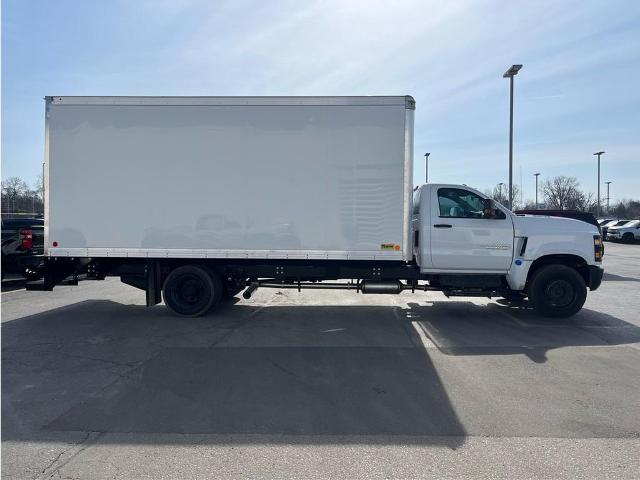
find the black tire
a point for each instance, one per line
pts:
(192, 290)
(32, 274)
(557, 291)
(627, 238)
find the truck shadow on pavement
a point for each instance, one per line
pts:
(611, 277)
(465, 328)
(322, 374)
(12, 284)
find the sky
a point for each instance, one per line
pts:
(578, 92)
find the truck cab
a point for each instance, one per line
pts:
(460, 233)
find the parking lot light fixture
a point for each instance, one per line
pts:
(426, 167)
(536, 175)
(510, 73)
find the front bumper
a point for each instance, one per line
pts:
(595, 276)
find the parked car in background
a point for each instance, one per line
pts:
(628, 232)
(613, 223)
(604, 221)
(23, 247)
(575, 214)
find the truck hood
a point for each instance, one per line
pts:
(530, 225)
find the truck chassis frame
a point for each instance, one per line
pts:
(388, 277)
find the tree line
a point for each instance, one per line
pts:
(557, 193)
(564, 193)
(20, 199)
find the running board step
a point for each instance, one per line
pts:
(469, 292)
(457, 282)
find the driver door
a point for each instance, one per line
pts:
(461, 239)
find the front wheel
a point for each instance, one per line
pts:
(192, 290)
(628, 237)
(557, 291)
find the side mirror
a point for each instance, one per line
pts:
(489, 208)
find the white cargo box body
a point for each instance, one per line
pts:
(229, 177)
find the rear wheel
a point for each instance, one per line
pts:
(192, 290)
(31, 273)
(557, 291)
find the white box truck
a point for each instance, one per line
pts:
(197, 198)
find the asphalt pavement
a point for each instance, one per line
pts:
(321, 384)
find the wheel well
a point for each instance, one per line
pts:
(574, 261)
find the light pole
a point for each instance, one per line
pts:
(500, 190)
(426, 167)
(512, 72)
(608, 183)
(598, 205)
(43, 165)
(536, 175)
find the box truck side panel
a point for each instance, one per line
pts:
(228, 179)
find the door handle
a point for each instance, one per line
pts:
(442, 225)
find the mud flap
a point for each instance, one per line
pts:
(154, 283)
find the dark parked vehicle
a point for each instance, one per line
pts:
(575, 214)
(22, 246)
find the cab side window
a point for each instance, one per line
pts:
(460, 203)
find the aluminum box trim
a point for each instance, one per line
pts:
(231, 101)
(96, 252)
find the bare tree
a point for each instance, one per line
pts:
(38, 187)
(585, 202)
(19, 199)
(500, 193)
(563, 193)
(626, 209)
(12, 188)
